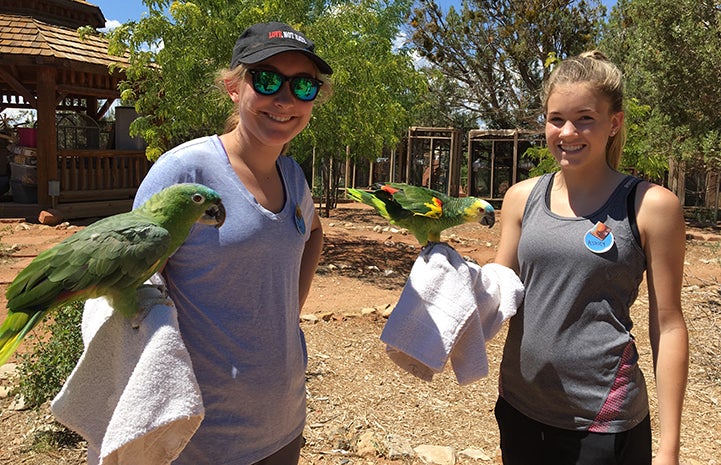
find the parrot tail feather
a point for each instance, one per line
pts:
(11, 336)
(369, 199)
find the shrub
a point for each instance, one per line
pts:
(44, 371)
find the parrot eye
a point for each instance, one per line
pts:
(198, 198)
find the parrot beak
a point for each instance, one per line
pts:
(214, 215)
(489, 216)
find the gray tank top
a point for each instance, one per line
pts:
(569, 360)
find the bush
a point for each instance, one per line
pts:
(44, 371)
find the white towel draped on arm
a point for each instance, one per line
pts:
(133, 394)
(449, 309)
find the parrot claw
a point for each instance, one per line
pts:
(149, 295)
(140, 316)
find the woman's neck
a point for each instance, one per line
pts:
(577, 195)
(257, 170)
(584, 183)
(256, 157)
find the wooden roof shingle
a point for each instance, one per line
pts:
(29, 37)
(68, 13)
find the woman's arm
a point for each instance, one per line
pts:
(662, 228)
(514, 202)
(311, 257)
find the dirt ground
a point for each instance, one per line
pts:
(362, 409)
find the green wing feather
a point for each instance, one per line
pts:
(110, 258)
(119, 252)
(389, 208)
(419, 200)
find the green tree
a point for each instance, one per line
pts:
(670, 52)
(437, 109)
(376, 87)
(643, 124)
(495, 51)
(176, 49)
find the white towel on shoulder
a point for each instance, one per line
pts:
(133, 394)
(449, 309)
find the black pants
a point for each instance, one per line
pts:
(288, 455)
(527, 442)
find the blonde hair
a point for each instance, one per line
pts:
(603, 77)
(234, 76)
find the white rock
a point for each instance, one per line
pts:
(398, 447)
(436, 455)
(18, 404)
(8, 370)
(476, 454)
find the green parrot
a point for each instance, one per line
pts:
(424, 212)
(111, 257)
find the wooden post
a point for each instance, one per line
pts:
(392, 167)
(514, 170)
(492, 189)
(47, 134)
(677, 178)
(409, 151)
(471, 181)
(346, 181)
(312, 172)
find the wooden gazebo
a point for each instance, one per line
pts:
(45, 65)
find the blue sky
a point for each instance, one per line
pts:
(120, 11)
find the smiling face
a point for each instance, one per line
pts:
(579, 123)
(273, 120)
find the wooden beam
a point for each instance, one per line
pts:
(47, 134)
(94, 209)
(18, 87)
(88, 91)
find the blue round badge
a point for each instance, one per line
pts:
(299, 221)
(599, 239)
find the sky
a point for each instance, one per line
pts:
(119, 11)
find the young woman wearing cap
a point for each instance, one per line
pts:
(239, 288)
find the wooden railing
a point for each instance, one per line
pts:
(88, 175)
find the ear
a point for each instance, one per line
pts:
(231, 86)
(616, 123)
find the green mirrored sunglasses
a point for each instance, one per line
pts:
(269, 83)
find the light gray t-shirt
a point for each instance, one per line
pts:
(236, 290)
(570, 360)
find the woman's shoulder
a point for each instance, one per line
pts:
(287, 160)
(653, 196)
(526, 184)
(521, 190)
(659, 214)
(201, 144)
(196, 153)
(291, 167)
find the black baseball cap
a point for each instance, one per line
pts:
(264, 40)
